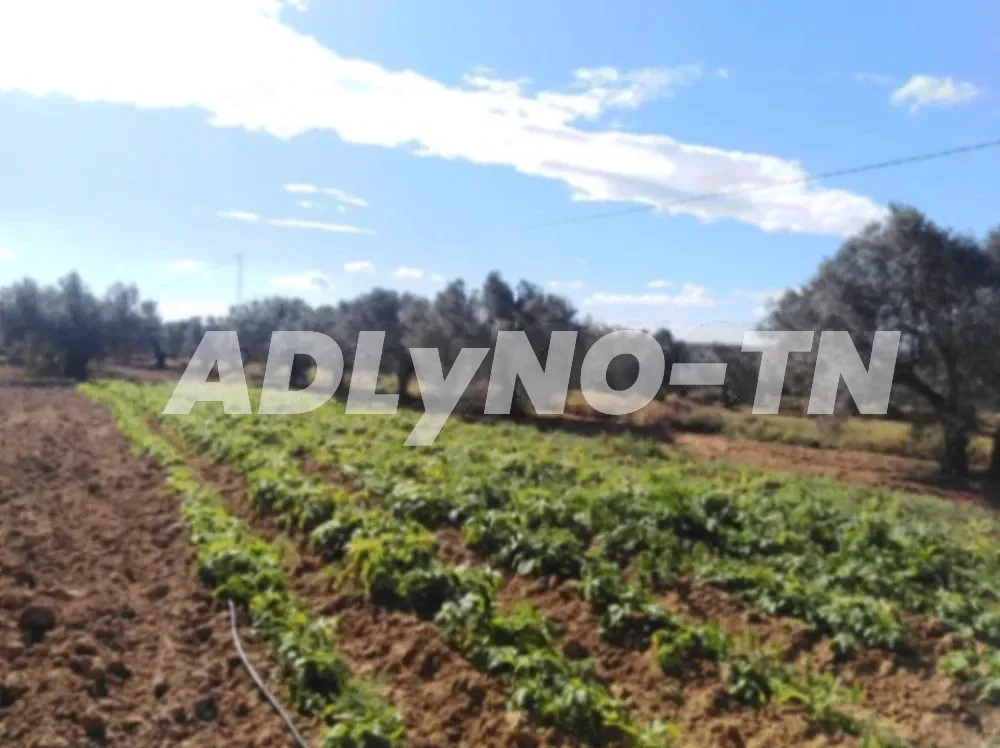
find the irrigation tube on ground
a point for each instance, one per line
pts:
(296, 736)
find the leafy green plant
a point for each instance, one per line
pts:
(676, 649)
(750, 681)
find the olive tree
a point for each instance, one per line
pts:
(939, 289)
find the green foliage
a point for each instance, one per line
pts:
(675, 650)
(821, 695)
(238, 566)
(750, 681)
(362, 720)
(625, 525)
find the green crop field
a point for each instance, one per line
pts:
(619, 595)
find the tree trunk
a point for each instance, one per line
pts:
(75, 367)
(955, 458)
(404, 374)
(299, 377)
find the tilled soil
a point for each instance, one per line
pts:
(924, 706)
(442, 697)
(106, 636)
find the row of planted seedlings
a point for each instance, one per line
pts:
(627, 612)
(788, 551)
(394, 562)
(845, 574)
(849, 573)
(238, 566)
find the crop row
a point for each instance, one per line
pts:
(627, 612)
(848, 576)
(240, 567)
(394, 562)
(850, 573)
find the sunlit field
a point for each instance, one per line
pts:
(617, 593)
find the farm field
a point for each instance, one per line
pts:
(512, 587)
(107, 637)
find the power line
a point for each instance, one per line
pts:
(633, 209)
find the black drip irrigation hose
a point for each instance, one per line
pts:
(300, 742)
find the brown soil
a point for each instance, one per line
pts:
(695, 701)
(891, 472)
(908, 694)
(923, 706)
(443, 698)
(104, 629)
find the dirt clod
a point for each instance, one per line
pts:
(35, 622)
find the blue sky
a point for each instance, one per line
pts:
(342, 145)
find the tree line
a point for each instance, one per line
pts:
(939, 288)
(64, 329)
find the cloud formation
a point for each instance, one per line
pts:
(246, 69)
(408, 273)
(239, 215)
(764, 299)
(690, 295)
(926, 90)
(308, 281)
(338, 195)
(659, 283)
(359, 266)
(333, 228)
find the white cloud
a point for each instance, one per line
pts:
(345, 198)
(247, 69)
(659, 284)
(763, 299)
(437, 278)
(769, 294)
(334, 228)
(173, 309)
(572, 285)
(6, 254)
(303, 189)
(186, 267)
(239, 215)
(927, 90)
(712, 332)
(874, 79)
(606, 87)
(690, 295)
(341, 209)
(722, 73)
(340, 196)
(307, 204)
(308, 281)
(408, 273)
(359, 266)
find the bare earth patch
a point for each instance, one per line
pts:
(106, 636)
